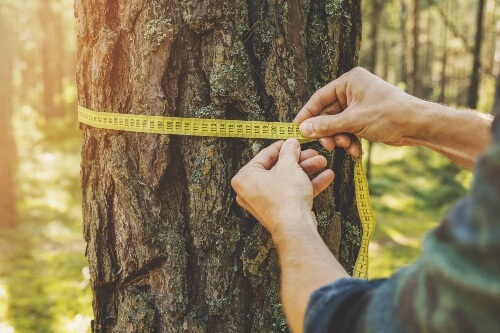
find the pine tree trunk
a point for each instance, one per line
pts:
(52, 58)
(372, 66)
(403, 21)
(444, 63)
(414, 83)
(473, 96)
(168, 247)
(8, 148)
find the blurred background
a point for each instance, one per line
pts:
(442, 50)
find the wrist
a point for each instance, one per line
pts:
(291, 224)
(420, 119)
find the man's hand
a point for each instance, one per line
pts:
(275, 182)
(366, 106)
(274, 186)
(360, 103)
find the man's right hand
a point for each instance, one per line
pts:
(360, 103)
(366, 106)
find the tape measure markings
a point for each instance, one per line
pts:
(191, 126)
(366, 217)
(237, 129)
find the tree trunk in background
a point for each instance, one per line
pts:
(168, 247)
(372, 66)
(495, 110)
(426, 72)
(52, 58)
(473, 95)
(7, 144)
(403, 75)
(444, 63)
(374, 26)
(414, 84)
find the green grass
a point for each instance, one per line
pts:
(411, 189)
(397, 238)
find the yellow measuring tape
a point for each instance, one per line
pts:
(236, 129)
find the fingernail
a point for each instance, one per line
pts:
(306, 128)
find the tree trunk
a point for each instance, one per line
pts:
(414, 83)
(7, 144)
(372, 66)
(473, 96)
(495, 110)
(444, 63)
(403, 70)
(168, 247)
(52, 57)
(374, 26)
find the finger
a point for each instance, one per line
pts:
(313, 164)
(266, 158)
(321, 182)
(333, 108)
(308, 153)
(322, 98)
(350, 145)
(323, 126)
(354, 149)
(327, 142)
(342, 140)
(243, 204)
(290, 152)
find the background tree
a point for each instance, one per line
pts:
(476, 64)
(414, 78)
(8, 214)
(169, 249)
(375, 15)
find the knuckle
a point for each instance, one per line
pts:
(323, 126)
(359, 69)
(322, 100)
(235, 182)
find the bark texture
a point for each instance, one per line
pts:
(169, 249)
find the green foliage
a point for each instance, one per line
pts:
(43, 268)
(411, 189)
(30, 308)
(428, 178)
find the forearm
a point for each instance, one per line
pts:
(461, 135)
(306, 265)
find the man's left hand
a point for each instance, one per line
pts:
(276, 181)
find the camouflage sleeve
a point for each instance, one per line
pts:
(337, 304)
(455, 284)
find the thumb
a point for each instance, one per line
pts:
(323, 126)
(290, 151)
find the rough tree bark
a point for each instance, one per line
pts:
(169, 250)
(8, 214)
